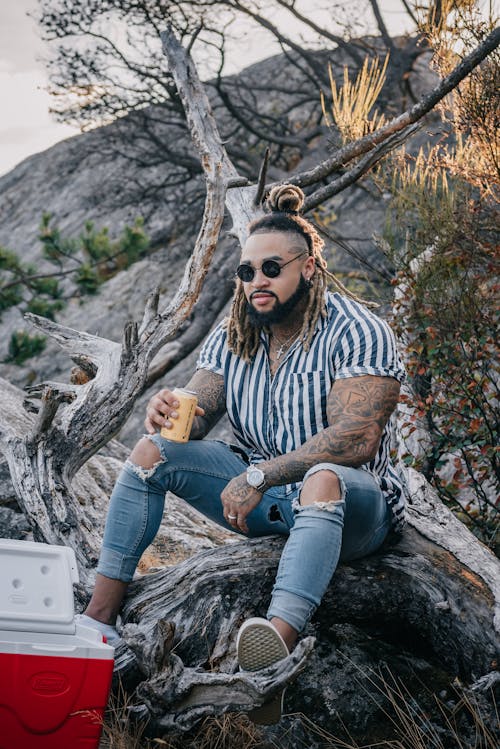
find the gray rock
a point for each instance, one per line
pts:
(7, 493)
(13, 524)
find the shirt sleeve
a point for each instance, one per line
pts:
(367, 346)
(214, 351)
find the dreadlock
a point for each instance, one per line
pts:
(283, 205)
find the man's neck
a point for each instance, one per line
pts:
(285, 330)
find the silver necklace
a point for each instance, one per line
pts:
(284, 344)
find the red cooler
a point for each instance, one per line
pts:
(55, 675)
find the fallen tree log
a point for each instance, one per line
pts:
(429, 600)
(425, 609)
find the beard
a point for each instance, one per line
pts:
(281, 310)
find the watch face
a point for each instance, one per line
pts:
(255, 476)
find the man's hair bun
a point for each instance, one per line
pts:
(285, 199)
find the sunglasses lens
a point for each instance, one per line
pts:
(271, 269)
(245, 272)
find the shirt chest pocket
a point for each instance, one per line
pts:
(304, 404)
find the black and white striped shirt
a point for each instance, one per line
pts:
(272, 416)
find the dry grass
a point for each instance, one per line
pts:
(118, 732)
(352, 103)
(227, 732)
(231, 731)
(460, 724)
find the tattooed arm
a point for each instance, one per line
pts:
(212, 399)
(211, 405)
(358, 409)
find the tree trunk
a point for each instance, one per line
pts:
(429, 602)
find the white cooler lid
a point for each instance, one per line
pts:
(36, 587)
(82, 643)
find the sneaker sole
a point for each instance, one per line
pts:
(259, 645)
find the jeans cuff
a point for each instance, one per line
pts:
(116, 565)
(292, 608)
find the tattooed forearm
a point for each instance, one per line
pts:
(358, 409)
(211, 397)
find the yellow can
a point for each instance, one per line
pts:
(181, 427)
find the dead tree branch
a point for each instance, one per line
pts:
(73, 432)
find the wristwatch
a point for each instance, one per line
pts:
(256, 477)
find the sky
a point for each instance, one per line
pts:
(26, 125)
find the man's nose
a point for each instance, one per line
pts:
(259, 280)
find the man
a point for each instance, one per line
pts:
(309, 379)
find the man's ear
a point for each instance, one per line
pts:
(309, 266)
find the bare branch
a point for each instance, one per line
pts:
(347, 46)
(249, 123)
(100, 407)
(284, 41)
(362, 167)
(51, 400)
(72, 341)
(410, 12)
(130, 340)
(381, 25)
(150, 311)
(261, 183)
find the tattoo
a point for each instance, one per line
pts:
(358, 409)
(210, 390)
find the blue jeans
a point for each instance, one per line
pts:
(198, 471)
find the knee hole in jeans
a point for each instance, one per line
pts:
(324, 489)
(145, 455)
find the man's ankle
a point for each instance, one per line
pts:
(288, 633)
(101, 615)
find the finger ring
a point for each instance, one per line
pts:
(232, 517)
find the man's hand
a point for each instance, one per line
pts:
(238, 500)
(161, 408)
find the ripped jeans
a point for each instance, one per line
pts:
(198, 471)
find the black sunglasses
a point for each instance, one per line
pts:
(269, 268)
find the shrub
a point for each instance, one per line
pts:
(23, 346)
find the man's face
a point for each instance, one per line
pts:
(271, 300)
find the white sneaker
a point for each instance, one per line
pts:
(259, 645)
(109, 632)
